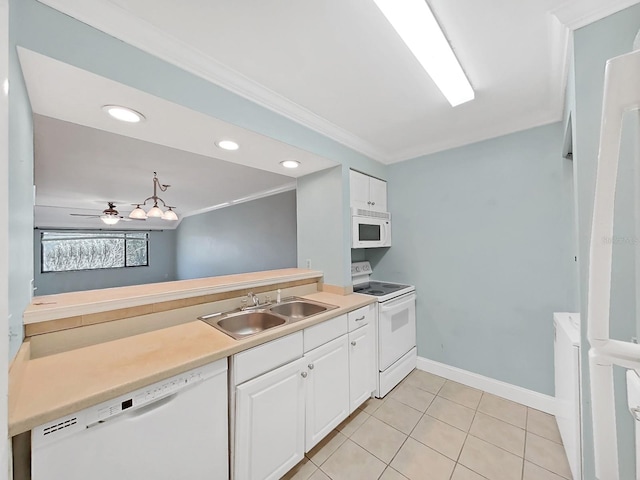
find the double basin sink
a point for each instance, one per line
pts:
(240, 324)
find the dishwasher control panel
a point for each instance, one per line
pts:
(93, 416)
(141, 397)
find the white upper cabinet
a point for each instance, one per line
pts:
(378, 194)
(367, 193)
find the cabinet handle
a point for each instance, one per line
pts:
(361, 318)
(368, 203)
(311, 366)
(303, 374)
(353, 343)
(373, 203)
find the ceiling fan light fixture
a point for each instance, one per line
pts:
(124, 114)
(110, 219)
(138, 213)
(170, 215)
(155, 212)
(417, 26)
(228, 145)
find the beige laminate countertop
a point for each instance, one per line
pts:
(52, 307)
(46, 388)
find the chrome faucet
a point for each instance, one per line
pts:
(253, 298)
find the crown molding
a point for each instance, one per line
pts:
(479, 135)
(563, 21)
(265, 193)
(579, 13)
(123, 25)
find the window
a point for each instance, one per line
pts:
(69, 251)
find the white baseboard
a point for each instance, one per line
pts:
(539, 401)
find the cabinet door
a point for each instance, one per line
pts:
(361, 366)
(359, 184)
(378, 195)
(269, 435)
(327, 389)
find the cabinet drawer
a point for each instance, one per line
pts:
(324, 332)
(361, 317)
(263, 358)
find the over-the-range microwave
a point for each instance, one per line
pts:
(370, 229)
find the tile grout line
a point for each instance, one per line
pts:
(524, 450)
(465, 441)
(409, 434)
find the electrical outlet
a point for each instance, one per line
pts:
(308, 263)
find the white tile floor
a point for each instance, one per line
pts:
(429, 428)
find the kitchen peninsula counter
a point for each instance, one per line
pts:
(45, 388)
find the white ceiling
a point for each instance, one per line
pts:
(338, 67)
(78, 169)
(335, 66)
(84, 158)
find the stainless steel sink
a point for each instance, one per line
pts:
(296, 308)
(243, 324)
(252, 320)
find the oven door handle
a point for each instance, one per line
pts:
(386, 306)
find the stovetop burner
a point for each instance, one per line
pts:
(383, 291)
(378, 289)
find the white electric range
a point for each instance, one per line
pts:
(396, 326)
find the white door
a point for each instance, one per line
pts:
(359, 184)
(327, 389)
(378, 194)
(396, 329)
(361, 366)
(269, 435)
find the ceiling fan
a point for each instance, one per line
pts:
(110, 215)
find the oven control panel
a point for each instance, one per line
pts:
(359, 268)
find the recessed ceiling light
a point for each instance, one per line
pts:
(290, 164)
(419, 29)
(228, 145)
(123, 114)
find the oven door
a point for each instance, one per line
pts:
(368, 232)
(396, 329)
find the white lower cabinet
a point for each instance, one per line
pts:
(270, 423)
(291, 392)
(327, 389)
(361, 366)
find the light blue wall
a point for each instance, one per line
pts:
(248, 237)
(20, 191)
(321, 229)
(162, 268)
(484, 232)
(593, 45)
(51, 33)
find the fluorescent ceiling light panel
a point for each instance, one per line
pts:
(419, 29)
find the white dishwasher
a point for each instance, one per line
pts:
(173, 429)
